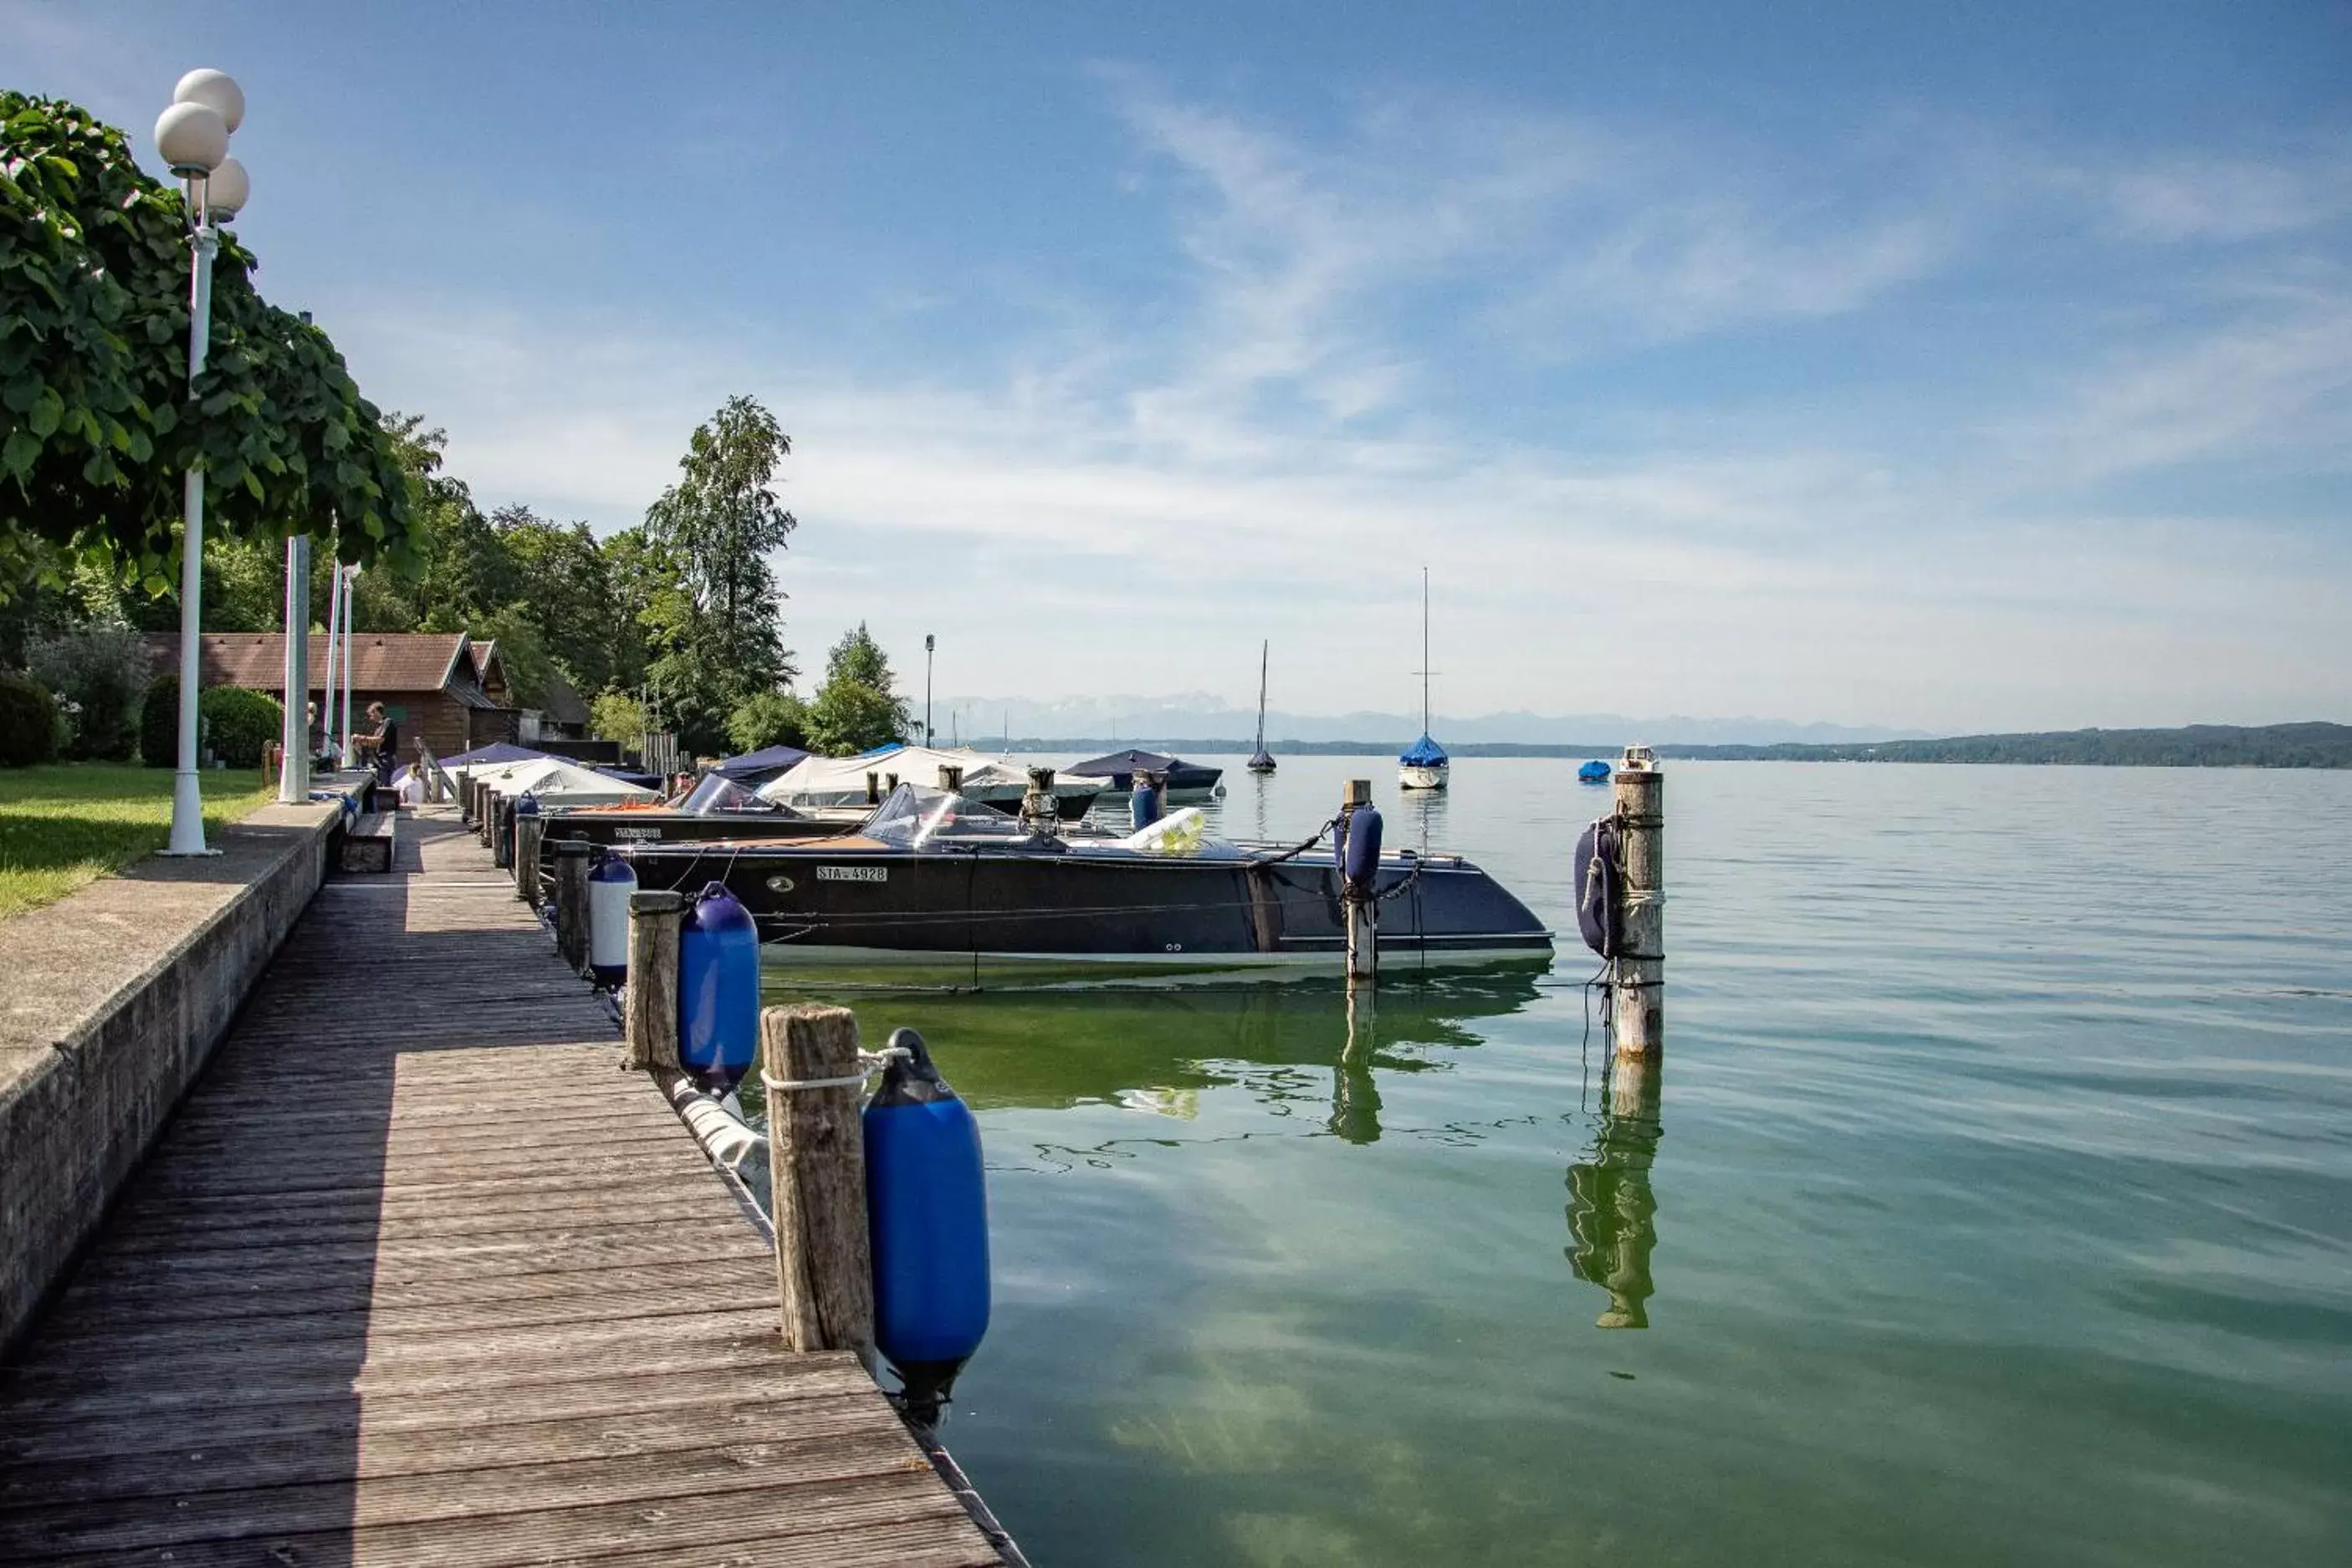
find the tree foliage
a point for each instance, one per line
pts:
(717, 625)
(855, 710)
(767, 718)
(98, 419)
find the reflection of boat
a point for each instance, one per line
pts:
(1118, 771)
(1593, 772)
(935, 878)
(1157, 1048)
(1261, 760)
(1423, 765)
(857, 784)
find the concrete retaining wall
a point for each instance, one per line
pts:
(111, 1003)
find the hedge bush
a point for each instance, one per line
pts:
(28, 721)
(239, 723)
(159, 723)
(98, 672)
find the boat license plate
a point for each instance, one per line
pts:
(852, 873)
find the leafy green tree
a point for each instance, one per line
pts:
(569, 595)
(97, 422)
(718, 634)
(767, 718)
(616, 716)
(520, 651)
(855, 710)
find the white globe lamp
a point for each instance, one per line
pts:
(217, 90)
(193, 138)
(227, 190)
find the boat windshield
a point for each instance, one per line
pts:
(716, 793)
(915, 816)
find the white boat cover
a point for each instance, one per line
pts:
(556, 783)
(824, 781)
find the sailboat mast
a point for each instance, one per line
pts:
(1424, 650)
(1262, 648)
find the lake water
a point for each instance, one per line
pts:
(1996, 1205)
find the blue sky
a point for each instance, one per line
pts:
(1948, 368)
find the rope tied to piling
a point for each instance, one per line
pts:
(868, 1062)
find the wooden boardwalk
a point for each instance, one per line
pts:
(417, 1275)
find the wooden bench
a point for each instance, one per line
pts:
(367, 844)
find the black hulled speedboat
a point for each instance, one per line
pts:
(935, 878)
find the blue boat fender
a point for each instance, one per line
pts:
(1143, 805)
(1360, 855)
(927, 1207)
(718, 988)
(1599, 916)
(609, 888)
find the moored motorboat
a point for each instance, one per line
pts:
(1117, 770)
(935, 878)
(857, 784)
(1593, 772)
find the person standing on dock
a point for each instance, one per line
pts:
(383, 747)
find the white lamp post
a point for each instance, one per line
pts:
(348, 576)
(192, 136)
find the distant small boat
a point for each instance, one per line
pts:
(1261, 760)
(1595, 772)
(1423, 764)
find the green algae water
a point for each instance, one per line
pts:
(1995, 1205)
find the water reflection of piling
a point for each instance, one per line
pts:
(1611, 1212)
(1355, 1098)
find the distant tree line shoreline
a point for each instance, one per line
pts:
(2316, 745)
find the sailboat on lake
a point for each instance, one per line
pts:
(1423, 765)
(1261, 760)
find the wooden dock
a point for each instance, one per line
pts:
(417, 1275)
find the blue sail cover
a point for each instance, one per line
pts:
(1423, 753)
(762, 765)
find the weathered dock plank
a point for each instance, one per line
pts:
(416, 1275)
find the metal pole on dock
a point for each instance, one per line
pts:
(1360, 906)
(571, 902)
(649, 1001)
(817, 1154)
(1638, 975)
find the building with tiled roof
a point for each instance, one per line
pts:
(444, 688)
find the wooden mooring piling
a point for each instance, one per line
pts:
(1637, 982)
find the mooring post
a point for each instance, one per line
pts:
(649, 1001)
(1360, 906)
(502, 832)
(1638, 978)
(816, 1164)
(571, 902)
(1039, 810)
(529, 828)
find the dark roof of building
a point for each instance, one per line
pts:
(381, 662)
(559, 703)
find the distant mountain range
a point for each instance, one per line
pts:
(2314, 745)
(1196, 718)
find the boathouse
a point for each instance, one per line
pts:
(444, 688)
